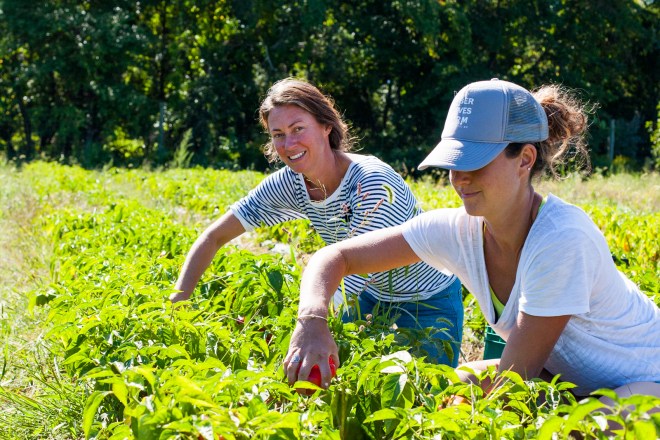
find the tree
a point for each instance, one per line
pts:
(123, 81)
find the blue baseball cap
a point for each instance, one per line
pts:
(483, 119)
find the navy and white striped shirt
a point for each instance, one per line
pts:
(371, 196)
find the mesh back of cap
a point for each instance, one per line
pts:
(527, 121)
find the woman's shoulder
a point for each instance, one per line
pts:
(454, 217)
(283, 174)
(443, 229)
(371, 167)
(563, 226)
(563, 215)
(367, 160)
(278, 183)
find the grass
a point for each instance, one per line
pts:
(36, 401)
(636, 192)
(26, 377)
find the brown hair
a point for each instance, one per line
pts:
(292, 91)
(567, 127)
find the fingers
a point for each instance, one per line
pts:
(458, 400)
(326, 376)
(297, 367)
(311, 352)
(292, 366)
(335, 359)
(178, 296)
(310, 367)
(328, 368)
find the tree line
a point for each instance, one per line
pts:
(160, 81)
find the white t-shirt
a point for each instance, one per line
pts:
(371, 196)
(565, 268)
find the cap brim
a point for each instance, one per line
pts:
(458, 155)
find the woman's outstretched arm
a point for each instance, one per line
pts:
(202, 253)
(311, 342)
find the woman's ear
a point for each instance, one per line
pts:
(527, 157)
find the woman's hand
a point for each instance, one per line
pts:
(311, 344)
(202, 253)
(179, 296)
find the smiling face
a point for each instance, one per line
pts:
(301, 142)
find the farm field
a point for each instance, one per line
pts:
(92, 348)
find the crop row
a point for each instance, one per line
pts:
(121, 362)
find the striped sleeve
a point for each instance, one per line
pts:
(379, 198)
(273, 201)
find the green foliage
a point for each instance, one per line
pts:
(182, 155)
(117, 360)
(49, 408)
(76, 73)
(122, 149)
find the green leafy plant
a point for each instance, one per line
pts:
(112, 358)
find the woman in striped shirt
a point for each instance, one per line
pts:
(343, 195)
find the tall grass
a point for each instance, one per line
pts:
(35, 401)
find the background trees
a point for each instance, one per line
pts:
(128, 82)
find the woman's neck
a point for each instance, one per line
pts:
(509, 231)
(323, 184)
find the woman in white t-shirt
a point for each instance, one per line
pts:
(540, 268)
(343, 195)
